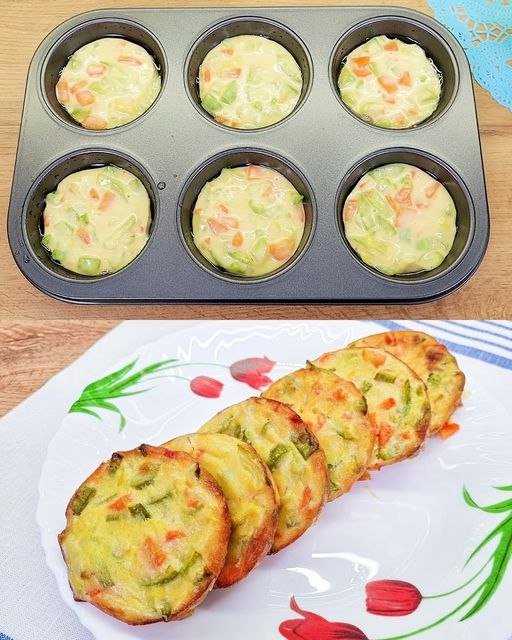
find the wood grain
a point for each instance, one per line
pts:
(487, 295)
(32, 352)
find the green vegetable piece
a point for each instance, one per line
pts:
(434, 379)
(297, 198)
(58, 255)
(51, 197)
(100, 87)
(366, 386)
(113, 517)
(80, 114)
(345, 435)
(275, 455)
(166, 496)
(75, 63)
(46, 241)
(106, 181)
(165, 578)
(114, 463)
(229, 95)
(82, 498)
(63, 228)
(139, 511)
(211, 104)
(89, 265)
(384, 376)
(259, 249)
(84, 218)
(147, 479)
(104, 578)
(257, 207)
(406, 396)
(305, 444)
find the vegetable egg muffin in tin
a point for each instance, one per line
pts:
(398, 404)
(250, 494)
(108, 83)
(291, 452)
(390, 83)
(249, 82)
(335, 411)
(97, 221)
(146, 535)
(400, 220)
(248, 221)
(434, 364)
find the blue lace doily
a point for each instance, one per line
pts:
(484, 29)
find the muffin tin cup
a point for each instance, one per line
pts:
(321, 147)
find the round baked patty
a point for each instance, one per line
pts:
(335, 411)
(146, 535)
(398, 405)
(292, 454)
(250, 494)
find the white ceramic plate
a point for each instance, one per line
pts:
(409, 522)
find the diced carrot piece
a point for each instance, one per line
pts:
(229, 221)
(391, 46)
(95, 70)
(94, 122)
(235, 73)
(388, 403)
(207, 75)
(94, 592)
(153, 553)
(377, 359)
(107, 199)
(361, 72)
(393, 204)
(254, 171)
(388, 83)
(350, 209)
(385, 433)
(216, 226)
(119, 504)
(174, 535)
(405, 79)
(306, 497)
(94, 194)
(193, 503)
(338, 396)
(237, 240)
(132, 60)
(432, 188)
(62, 88)
(223, 208)
(391, 339)
(84, 235)
(362, 60)
(281, 250)
(78, 85)
(404, 196)
(85, 97)
(227, 51)
(448, 429)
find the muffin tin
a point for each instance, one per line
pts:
(321, 147)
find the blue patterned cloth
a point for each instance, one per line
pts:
(484, 29)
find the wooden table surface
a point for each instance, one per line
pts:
(488, 294)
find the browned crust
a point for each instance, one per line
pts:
(216, 560)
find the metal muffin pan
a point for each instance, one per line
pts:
(321, 147)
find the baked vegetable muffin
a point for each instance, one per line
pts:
(335, 411)
(292, 454)
(250, 494)
(248, 221)
(434, 364)
(108, 83)
(398, 405)
(97, 220)
(249, 82)
(399, 219)
(390, 83)
(146, 535)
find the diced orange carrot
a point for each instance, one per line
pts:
(62, 88)
(78, 85)
(388, 403)
(393, 204)
(153, 553)
(388, 83)
(391, 46)
(405, 79)
(216, 226)
(362, 60)
(254, 171)
(306, 497)
(404, 196)
(237, 240)
(174, 535)
(235, 73)
(95, 70)
(192, 503)
(223, 208)
(84, 235)
(361, 72)
(107, 199)
(229, 221)
(338, 396)
(385, 433)
(281, 250)
(448, 429)
(94, 592)
(227, 51)
(207, 75)
(377, 359)
(119, 504)
(432, 188)
(350, 209)
(391, 339)
(132, 60)
(85, 97)
(94, 194)
(94, 122)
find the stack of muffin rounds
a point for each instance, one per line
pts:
(152, 530)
